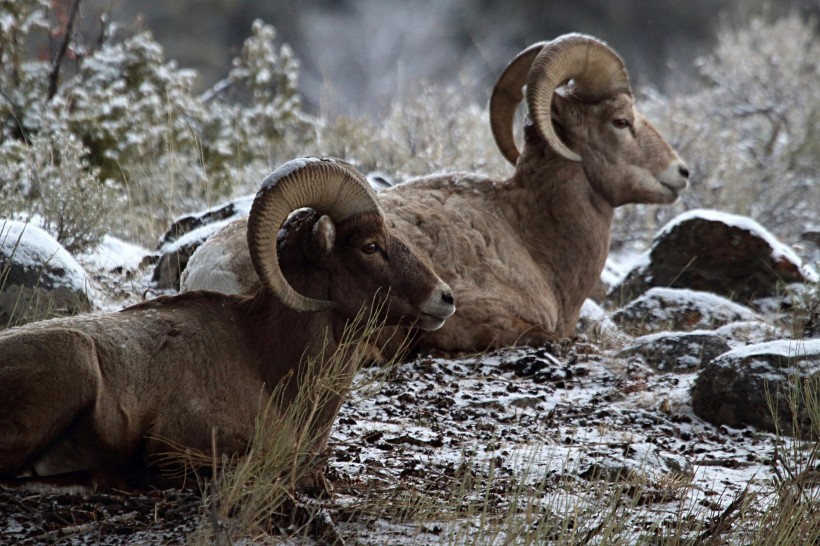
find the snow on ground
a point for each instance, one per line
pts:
(536, 421)
(113, 254)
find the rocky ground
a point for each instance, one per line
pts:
(553, 425)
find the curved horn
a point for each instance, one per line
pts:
(330, 188)
(596, 70)
(507, 95)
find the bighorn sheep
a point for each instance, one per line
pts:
(523, 254)
(110, 391)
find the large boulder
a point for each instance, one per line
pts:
(679, 309)
(764, 385)
(725, 254)
(38, 278)
(187, 233)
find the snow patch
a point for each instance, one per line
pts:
(113, 254)
(786, 348)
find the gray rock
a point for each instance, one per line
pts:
(747, 332)
(677, 351)
(661, 309)
(39, 279)
(715, 252)
(763, 385)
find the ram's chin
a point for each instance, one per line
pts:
(667, 195)
(429, 322)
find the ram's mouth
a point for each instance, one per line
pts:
(673, 180)
(674, 190)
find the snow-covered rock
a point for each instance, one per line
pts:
(726, 254)
(38, 277)
(188, 232)
(752, 384)
(679, 309)
(677, 351)
(747, 332)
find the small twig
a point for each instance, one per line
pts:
(86, 527)
(58, 59)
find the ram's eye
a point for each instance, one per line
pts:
(370, 248)
(620, 123)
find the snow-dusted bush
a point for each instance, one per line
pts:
(440, 129)
(748, 129)
(50, 182)
(144, 127)
(257, 105)
(23, 81)
(130, 107)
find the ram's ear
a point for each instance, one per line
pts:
(322, 238)
(565, 107)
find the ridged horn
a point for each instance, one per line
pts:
(595, 69)
(325, 185)
(507, 95)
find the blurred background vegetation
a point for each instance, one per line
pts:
(161, 108)
(359, 55)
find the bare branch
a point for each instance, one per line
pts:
(58, 59)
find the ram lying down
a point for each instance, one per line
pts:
(105, 395)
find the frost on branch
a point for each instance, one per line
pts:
(51, 183)
(142, 125)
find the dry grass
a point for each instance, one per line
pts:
(262, 492)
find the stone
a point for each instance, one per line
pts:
(764, 385)
(677, 351)
(662, 309)
(725, 254)
(187, 233)
(39, 279)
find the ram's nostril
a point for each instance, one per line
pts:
(447, 297)
(684, 172)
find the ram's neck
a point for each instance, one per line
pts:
(307, 359)
(565, 225)
(309, 336)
